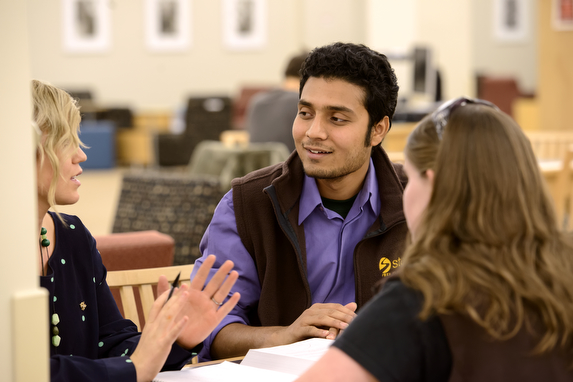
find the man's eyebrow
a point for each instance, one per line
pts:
(329, 107)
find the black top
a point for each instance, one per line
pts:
(389, 340)
(341, 207)
(96, 341)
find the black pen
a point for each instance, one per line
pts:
(173, 286)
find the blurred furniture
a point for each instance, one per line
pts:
(396, 156)
(99, 137)
(526, 113)
(173, 203)
(206, 118)
(235, 138)
(564, 193)
(143, 280)
(502, 91)
(241, 103)
(228, 162)
(134, 250)
(135, 146)
(396, 138)
(558, 177)
(550, 144)
(121, 117)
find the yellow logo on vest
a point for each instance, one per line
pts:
(386, 265)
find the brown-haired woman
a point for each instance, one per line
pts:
(485, 289)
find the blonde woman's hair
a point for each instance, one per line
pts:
(488, 245)
(58, 118)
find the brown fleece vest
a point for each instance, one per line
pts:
(266, 206)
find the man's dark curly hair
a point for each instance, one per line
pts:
(361, 66)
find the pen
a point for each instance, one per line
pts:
(173, 286)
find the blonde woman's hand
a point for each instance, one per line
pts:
(201, 307)
(165, 322)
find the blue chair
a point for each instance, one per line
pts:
(99, 136)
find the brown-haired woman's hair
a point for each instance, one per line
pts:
(488, 245)
(58, 117)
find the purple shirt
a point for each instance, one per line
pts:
(330, 243)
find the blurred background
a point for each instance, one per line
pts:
(461, 35)
(164, 87)
(160, 76)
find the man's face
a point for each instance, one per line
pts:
(330, 130)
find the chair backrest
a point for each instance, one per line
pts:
(214, 158)
(207, 117)
(143, 280)
(564, 193)
(241, 103)
(499, 90)
(177, 204)
(550, 144)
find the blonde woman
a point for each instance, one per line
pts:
(89, 340)
(485, 291)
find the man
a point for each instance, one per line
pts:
(270, 114)
(310, 237)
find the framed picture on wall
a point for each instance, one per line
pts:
(167, 26)
(511, 20)
(245, 24)
(86, 26)
(562, 13)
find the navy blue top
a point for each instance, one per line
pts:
(96, 341)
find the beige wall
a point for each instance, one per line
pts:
(23, 305)
(503, 58)
(129, 74)
(459, 31)
(555, 73)
(449, 34)
(461, 34)
(396, 27)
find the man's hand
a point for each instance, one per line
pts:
(201, 305)
(335, 332)
(320, 320)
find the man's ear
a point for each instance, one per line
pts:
(379, 131)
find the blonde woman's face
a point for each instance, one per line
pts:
(68, 184)
(416, 195)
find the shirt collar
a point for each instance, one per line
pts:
(310, 198)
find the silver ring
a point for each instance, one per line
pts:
(216, 302)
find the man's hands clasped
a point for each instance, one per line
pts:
(320, 320)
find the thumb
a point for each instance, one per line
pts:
(352, 306)
(162, 285)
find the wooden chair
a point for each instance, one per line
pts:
(563, 192)
(550, 144)
(144, 280)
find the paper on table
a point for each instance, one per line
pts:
(294, 358)
(226, 371)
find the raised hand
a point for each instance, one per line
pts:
(165, 322)
(204, 306)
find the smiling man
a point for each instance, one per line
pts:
(310, 237)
